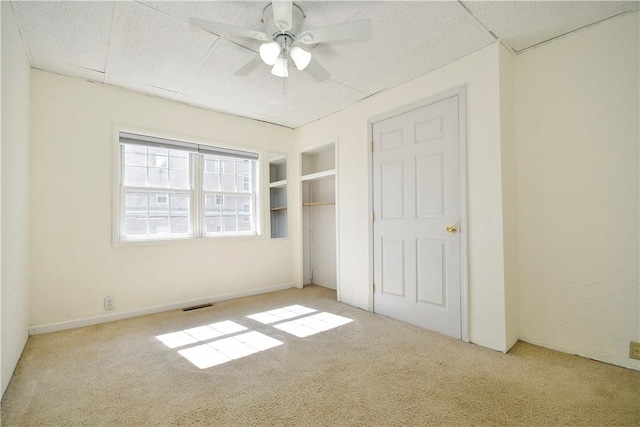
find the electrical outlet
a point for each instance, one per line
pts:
(108, 303)
(634, 350)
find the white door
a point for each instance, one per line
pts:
(416, 201)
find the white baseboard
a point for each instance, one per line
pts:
(78, 323)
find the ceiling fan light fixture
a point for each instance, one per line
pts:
(269, 52)
(300, 57)
(280, 68)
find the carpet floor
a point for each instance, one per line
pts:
(336, 365)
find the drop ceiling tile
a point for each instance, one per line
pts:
(246, 14)
(214, 84)
(68, 33)
(527, 23)
(398, 28)
(320, 14)
(336, 98)
(460, 40)
(53, 66)
(153, 49)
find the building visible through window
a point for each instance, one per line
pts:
(158, 195)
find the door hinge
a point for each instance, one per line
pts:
(374, 288)
(373, 217)
(372, 145)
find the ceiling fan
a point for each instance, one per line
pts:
(283, 36)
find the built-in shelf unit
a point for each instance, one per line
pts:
(278, 195)
(318, 187)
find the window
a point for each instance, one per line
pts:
(162, 195)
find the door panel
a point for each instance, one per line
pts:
(429, 185)
(431, 263)
(392, 189)
(393, 266)
(417, 195)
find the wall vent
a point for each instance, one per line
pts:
(195, 307)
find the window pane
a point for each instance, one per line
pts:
(135, 203)
(213, 224)
(228, 165)
(156, 167)
(158, 161)
(179, 179)
(212, 164)
(211, 182)
(180, 224)
(227, 213)
(159, 225)
(179, 204)
(243, 167)
(178, 162)
(158, 151)
(135, 225)
(229, 223)
(213, 204)
(243, 184)
(136, 159)
(135, 206)
(158, 177)
(228, 183)
(158, 204)
(156, 214)
(135, 176)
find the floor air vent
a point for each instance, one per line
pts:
(195, 307)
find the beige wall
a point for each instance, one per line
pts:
(577, 171)
(509, 194)
(479, 72)
(74, 264)
(14, 267)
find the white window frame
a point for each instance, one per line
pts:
(196, 192)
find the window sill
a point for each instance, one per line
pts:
(120, 243)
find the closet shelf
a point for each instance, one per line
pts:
(278, 184)
(318, 203)
(318, 175)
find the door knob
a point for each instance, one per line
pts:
(452, 229)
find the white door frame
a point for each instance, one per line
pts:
(460, 92)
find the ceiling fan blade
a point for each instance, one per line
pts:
(283, 14)
(249, 67)
(348, 30)
(220, 28)
(317, 71)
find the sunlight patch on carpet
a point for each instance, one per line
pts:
(284, 313)
(200, 333)
(312, 325)
(224, 350)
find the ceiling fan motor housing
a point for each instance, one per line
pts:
(272, 29)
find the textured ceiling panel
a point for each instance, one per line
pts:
(51, 64)
(66, 33)
(456, 42)
(389, 42)
(246, 14)
(214, 83)
(336, 99)
(153, 49)
(149, 47)
(524, 24)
